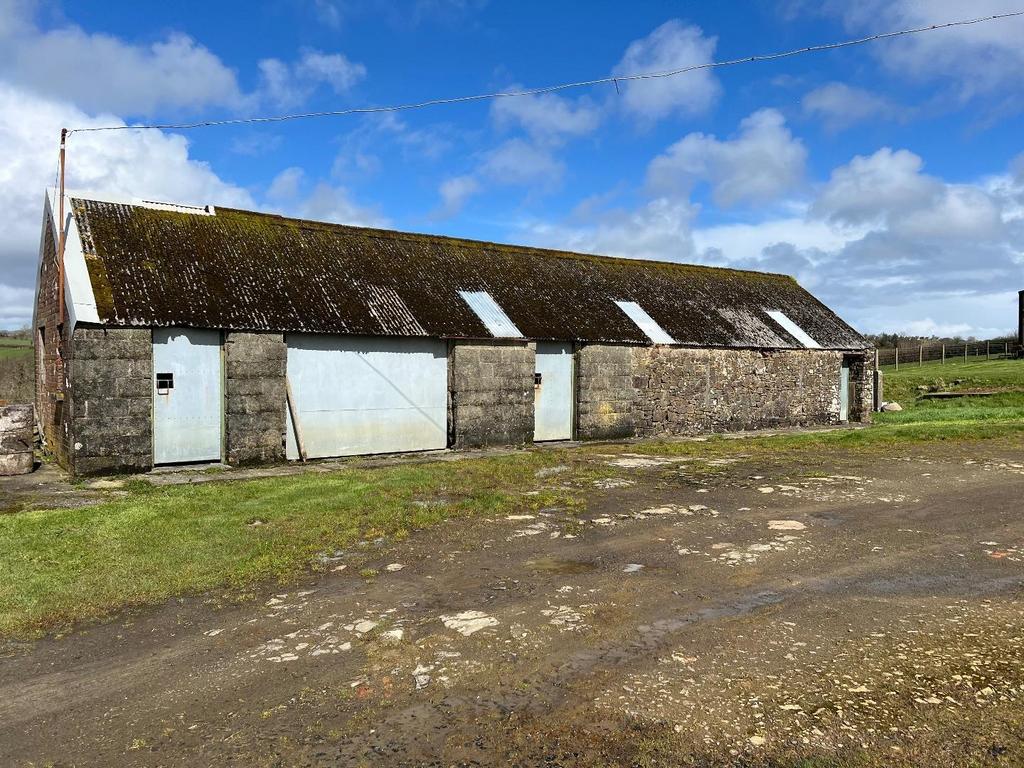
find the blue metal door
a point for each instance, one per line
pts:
(553, 391)
(188, 399)
(359, 394)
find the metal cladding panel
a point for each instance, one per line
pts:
(188, 415)
(240, 270)
(491, 315)
(844, 392)
(553, 397)
(359, 395)
(645, 322)
(793, 329)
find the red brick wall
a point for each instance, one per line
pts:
(53, 411)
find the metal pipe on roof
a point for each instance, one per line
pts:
(60, 232)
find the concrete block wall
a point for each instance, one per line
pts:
(110, 400)
(255, 397)
(683, 391)
(490, 392)
(16, 440)
(604, 392)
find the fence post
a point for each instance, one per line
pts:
(943, 354)
(988, 350)
(897, 348)
(920, 355)
(965, 351)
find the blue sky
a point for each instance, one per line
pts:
(888, 178)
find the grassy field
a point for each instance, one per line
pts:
(902, 385)
(16, 370)
(66, 565)
(1003, 376)
(12, 347)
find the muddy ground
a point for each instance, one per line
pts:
(818, 610)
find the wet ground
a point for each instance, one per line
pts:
(847, 608)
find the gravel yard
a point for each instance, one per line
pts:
(799, 608)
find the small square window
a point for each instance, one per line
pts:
(537, 379)
(164, 381)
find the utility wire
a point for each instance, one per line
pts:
(614, 80)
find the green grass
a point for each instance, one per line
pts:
(62, 566)
(902, 385)
(978, 415)
(13, 351)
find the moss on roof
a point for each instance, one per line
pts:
(256, 271)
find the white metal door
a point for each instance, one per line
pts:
(357, 395)
(553, 392)
(188, 399)
(844, 392)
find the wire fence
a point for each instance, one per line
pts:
(930, 353)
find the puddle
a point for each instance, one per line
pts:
(555, 565)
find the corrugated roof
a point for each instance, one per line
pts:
(242, 270)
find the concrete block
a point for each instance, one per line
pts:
(16, 463)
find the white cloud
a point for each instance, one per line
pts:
(760, 164)
(869, 189)
(671, 46)
(546, 117)
(744, 243)
(285, 185)
(660, 229)
(978, 58)
(334, 69)
(928, 327)
(916, 247)
(330, 12)
(519, 162)
(515, 162)
(374, 136)
(840, 106)
(287, 85)
(455, 192)
(103, 73)
(335, 204)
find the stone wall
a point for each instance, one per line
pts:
(689, 391)
(16, 440)
(255, 397)
(110, 400)
(490, 393)
(604, 392)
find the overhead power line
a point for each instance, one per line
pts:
(611, 80)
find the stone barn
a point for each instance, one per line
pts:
(202, 334)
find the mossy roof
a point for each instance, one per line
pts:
(242, 270)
